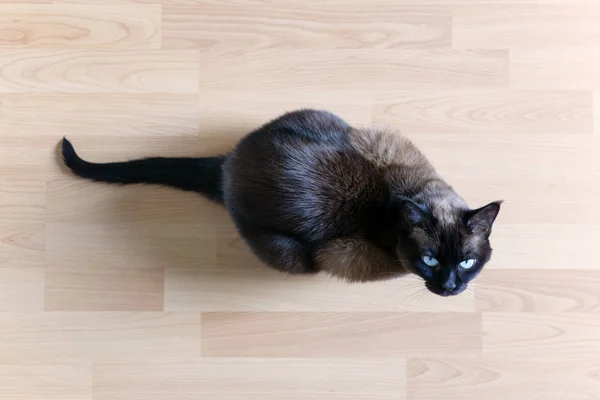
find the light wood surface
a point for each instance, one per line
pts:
(144, 293)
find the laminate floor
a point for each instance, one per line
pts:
(146, 293)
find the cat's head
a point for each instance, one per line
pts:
(446, 246)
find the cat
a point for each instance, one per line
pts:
(308, 192)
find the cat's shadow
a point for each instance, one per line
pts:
(194, 240)
(208, 266)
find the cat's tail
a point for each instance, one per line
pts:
(202, 175)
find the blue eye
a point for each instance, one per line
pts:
(467, 264)
(430, 261)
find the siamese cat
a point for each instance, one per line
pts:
(309, 193)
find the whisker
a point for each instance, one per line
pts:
(406, 298)
(390, 274)
(423, 295)
(406, 288)
(411, 296)
(416, 296)
(414, 299)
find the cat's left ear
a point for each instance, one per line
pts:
(480, 221)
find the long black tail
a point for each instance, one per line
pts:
(202, 175)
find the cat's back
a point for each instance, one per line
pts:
(300, 173)
(388, 149)
(311, 173)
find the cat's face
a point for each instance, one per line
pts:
(448, 253)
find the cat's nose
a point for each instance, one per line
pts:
(449, 286)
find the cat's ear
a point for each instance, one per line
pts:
(480, 221)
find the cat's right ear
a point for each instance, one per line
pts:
(481, 220)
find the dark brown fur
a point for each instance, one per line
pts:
(310, 193)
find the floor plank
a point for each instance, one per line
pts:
(212, 378)
(100, 115)
(99, 71)
(339, 334)
(543, 337)
(68, 26)
(499, 26)
(53, 381)
(541, 291)
(499, 378)
(487, 111)
(99, 336)
(327, 25)
(558, 67)
(384, 70)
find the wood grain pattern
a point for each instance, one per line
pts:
(99, 114)
(212, 378)
(250, 288)
(544, 247)
(294, 334)
(487, 112)
(138, 289)
(51, 380)
(596, 112)
(539, 290)
(497, 26)
(23, 200)
(384, 70)
(80, 26)
(100, 335)
(292, 25)
(148, 293)
(472, 379)
(438, 69)
(561, 67)
(24, 160)
(22, 242)
(234, 113)
(98, 71)
(543, 337)
(22, 286)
